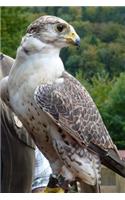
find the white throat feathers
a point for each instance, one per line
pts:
(36, 62)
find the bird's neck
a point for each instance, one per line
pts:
(37, 65)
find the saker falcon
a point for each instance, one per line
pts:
(55, 108)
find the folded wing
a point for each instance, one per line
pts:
(70, 106)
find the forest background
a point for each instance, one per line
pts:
(99, 63)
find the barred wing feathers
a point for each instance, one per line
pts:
(71, 107)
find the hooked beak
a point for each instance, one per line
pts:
(73, 38)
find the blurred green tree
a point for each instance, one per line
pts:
(114, 112)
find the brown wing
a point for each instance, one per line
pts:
(72, 108)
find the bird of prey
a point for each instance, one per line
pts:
(55, 108)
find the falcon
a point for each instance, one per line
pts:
(55, 108)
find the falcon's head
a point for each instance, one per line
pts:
(53, 30)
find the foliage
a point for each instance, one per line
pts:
(99, 64)
(14, 23)
(114, 112)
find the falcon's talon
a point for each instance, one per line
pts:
(53, 181)
(63, 183)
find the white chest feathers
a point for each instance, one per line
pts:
(36, 63)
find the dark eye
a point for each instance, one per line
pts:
(60, 27)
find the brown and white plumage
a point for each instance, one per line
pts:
(55, 108)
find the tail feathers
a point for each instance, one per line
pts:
(110, 159)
